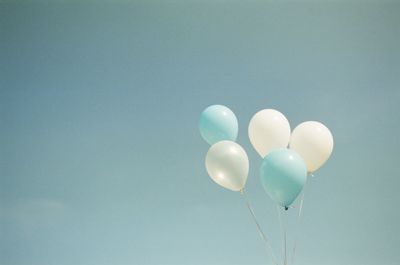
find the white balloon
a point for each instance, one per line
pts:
(269, 129)
(313, 142)
(228, 165)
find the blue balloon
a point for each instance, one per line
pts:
(218, 123)
(283, 175)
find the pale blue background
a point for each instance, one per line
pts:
(101, 160)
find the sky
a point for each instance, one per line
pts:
(101, 159)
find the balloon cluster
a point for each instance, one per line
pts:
(288, 157)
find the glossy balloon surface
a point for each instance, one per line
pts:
(313, 141)
(283, 175)
(218, 123)
(268, 130)
(228, 165)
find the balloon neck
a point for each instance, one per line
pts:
(286, 208)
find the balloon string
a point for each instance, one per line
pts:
(299, 218)
(285, 261)
(284, 232)
(298, 224)
(260, 231)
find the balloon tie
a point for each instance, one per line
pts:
(260, 231)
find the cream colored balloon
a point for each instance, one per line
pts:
(313, 141)
(228, 165)
(269, 129)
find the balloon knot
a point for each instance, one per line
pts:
(286, 208)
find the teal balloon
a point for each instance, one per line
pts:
(218, 123)
(283, 175)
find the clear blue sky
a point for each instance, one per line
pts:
(101, 160)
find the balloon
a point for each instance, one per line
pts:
(228, 165)
(269, 129)
(283, 175)
(218, 123)
(313, 142)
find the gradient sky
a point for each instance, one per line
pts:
(101, 159)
